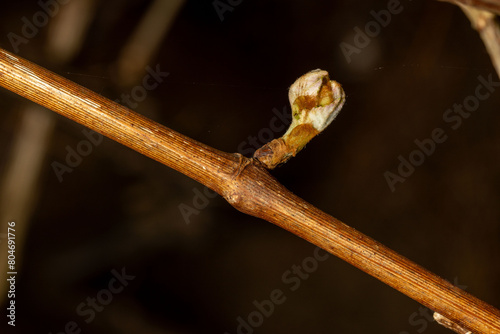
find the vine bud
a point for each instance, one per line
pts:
(316, 101)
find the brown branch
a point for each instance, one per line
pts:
(247, 185)
(488, 5)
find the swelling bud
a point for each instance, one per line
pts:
(316, 101)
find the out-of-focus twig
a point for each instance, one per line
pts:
(68, 30)
(489, 30)
(19, 184)
(481, 14)
(145, 40)
(488, 5)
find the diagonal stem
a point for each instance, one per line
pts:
(246, 185)
(487, 5)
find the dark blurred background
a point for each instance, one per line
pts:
(229, 68)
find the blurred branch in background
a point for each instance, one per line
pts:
(488, 28)
(488, 5)
(482, 15)
(146, 40)
(68, 31)
(19, 188)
